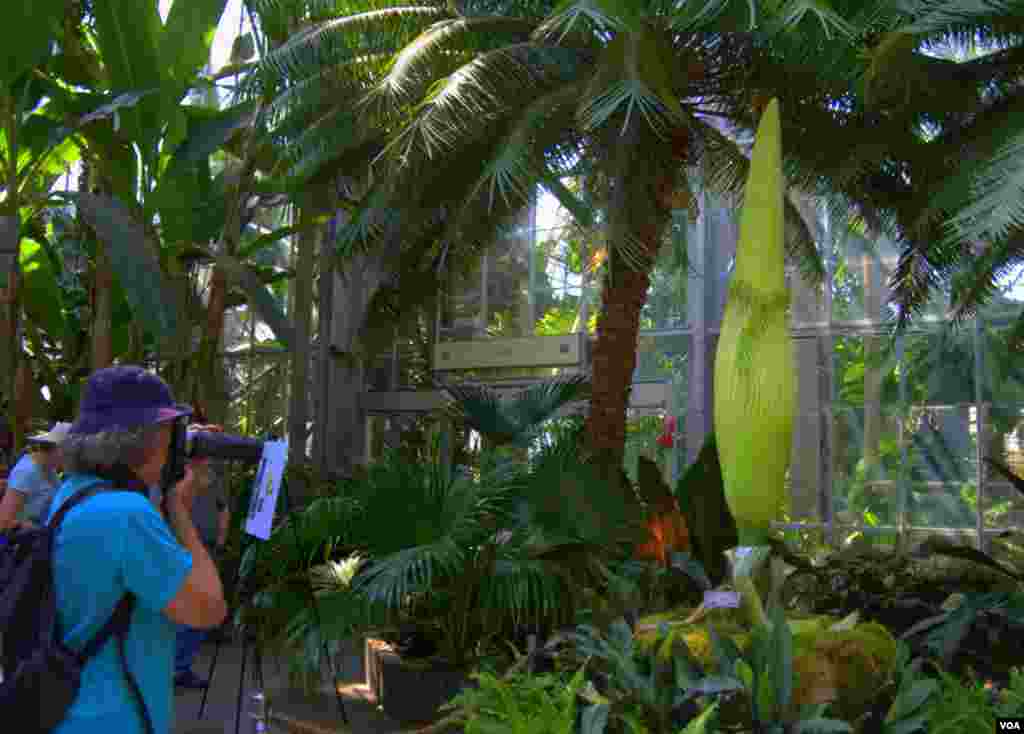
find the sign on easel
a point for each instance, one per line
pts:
(266, 488)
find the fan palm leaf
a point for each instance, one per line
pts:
(514, 420)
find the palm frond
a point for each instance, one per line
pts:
(461, 107)
(826, 20)
(597, 15)
(974, 201)
(722, 15)
(569, 501)
(349, 37)
(981, 276)
(512, 420)
(527, 592)
(632, 77)
(966, 22)
(441, 49)
(515, 170)
(996, 205)
(391, 579)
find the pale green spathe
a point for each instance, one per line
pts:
(755, 394)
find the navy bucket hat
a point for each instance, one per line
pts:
(125, 398)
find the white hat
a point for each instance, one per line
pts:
(54, 436)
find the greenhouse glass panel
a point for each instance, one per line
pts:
(560, 259)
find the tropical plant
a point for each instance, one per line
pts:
(519, 704)
(452, 560)
(916, 129)
(463, 109)
(514, 421)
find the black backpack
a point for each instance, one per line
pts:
(41, 674)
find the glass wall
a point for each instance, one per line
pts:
(891, 430)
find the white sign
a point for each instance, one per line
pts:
(721, 600)
(266, 488)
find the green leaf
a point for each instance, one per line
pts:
(128, 35)
(594, 719)
(264, 241)
(191, 207)
(912, 698)
(263, 302)
(103, 111)
(188, 35)
(40, 291)
(134, 261)
(208, 131)
(31, 27)
(705, 723)
(781, 658)
(823, 726)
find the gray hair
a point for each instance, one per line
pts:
(89, 453)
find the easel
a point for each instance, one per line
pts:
(257, 652)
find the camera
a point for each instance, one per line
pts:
(188, 445)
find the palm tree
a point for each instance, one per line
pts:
(920, 129)
(460, 109)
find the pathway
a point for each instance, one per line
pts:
(309, 714)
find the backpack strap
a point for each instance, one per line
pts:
(121, 618)
(76, 499)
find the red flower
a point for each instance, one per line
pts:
(665, 439)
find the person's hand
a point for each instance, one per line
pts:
(210, 428)
(196, 481)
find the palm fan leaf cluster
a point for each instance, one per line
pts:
(515, 420)
(459, 113)
(917, 127)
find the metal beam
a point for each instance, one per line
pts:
(644, 396)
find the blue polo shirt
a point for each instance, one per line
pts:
(112, 543)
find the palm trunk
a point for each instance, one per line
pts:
(209, 383)
(302, 316)
(641, 209)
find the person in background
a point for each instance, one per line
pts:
(32, 482)
(212, 518)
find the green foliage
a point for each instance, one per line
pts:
(960, 708)
(701, 495)
(519, 704)
(41, 293)
(133, 258)
(34, 26)
(517, 420)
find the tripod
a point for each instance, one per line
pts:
(257, 651)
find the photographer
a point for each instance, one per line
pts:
(33, 480)
(118, 542)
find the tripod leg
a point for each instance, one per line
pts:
(209, 677)
(241, 682)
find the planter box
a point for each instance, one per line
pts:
(409, 691)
